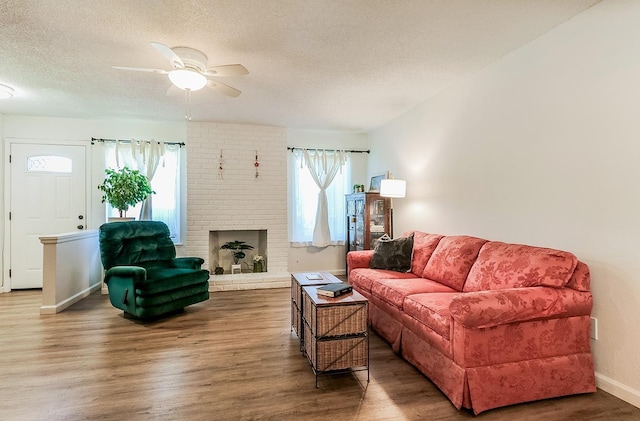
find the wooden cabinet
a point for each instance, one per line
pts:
(368, 218)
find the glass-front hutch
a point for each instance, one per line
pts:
(368, 218)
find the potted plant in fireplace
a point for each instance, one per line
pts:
(258, 263)
(237, 248)
(124, 188)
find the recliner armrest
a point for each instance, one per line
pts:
(498, 307)
(136, 273)
(188, 262)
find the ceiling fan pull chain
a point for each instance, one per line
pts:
(187, 104)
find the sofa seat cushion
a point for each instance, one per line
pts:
(501, 265)
(363, 278)
(394, 291)
(432, 310)
(423, 246)
(452, 259)
(161, 280)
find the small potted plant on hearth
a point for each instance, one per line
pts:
(124, 188)
(258, 263)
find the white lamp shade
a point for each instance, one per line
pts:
(390, 187)
(187, 79)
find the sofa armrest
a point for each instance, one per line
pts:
(498, 307)
(188, 262)
(358, 259)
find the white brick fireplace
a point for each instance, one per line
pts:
(234, 199)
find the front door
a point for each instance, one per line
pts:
(48, 189)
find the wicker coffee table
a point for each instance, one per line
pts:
(335, 331)
(299, 280)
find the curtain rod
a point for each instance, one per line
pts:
(312, 149)
(93, 140)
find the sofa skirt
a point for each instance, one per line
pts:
(485, 387)
(488, 387)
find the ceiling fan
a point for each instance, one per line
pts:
(190, 72)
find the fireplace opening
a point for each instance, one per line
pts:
(224, 258)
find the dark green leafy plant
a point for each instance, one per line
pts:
(124, 188)
(238, 248)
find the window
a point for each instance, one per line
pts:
(49, 163)
(165, 203)
(304, 199)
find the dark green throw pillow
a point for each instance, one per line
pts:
(393, 254)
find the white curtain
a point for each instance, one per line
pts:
(147, 155)
(319, 220)
(143, 156)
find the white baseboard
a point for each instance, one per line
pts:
(69, 301)
(618, 389)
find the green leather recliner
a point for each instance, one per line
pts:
(144, 277)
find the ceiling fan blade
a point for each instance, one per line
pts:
(140, 69)
(169, 54)
(223, 89)
(227, 70)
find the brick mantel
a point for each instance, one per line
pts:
(238, 200)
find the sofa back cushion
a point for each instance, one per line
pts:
(501, 265)
(452, 259)
(423, 246)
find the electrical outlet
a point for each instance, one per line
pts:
(594, 328)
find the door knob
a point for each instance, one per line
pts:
(80, 227)
(80, 217)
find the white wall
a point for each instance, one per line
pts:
(69, 129)
(331, 258)
(542, 148)
(2, 207)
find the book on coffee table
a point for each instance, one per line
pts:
(334, 290)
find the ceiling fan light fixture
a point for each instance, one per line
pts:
(187, 79)
(6, 91)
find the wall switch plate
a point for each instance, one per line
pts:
(594, 328)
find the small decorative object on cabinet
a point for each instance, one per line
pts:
(368, 219)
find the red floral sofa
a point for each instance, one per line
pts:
(490, 323)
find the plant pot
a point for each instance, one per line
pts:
(257, 267)
(218, 270)
(121, 219)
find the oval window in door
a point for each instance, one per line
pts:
(50, 163)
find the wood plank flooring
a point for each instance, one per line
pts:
(230, 358)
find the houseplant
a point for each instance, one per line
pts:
(258, 263)
(124, 188)
(237, 248)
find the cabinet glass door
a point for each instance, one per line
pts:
(377, 213)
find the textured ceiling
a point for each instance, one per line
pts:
(322, 64)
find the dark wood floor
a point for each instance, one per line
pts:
(231, 358)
